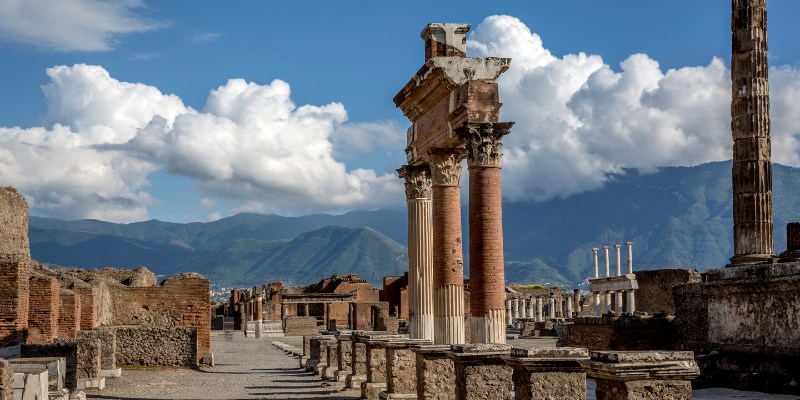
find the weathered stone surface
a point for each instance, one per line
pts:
(550, 352)
(435, 373)
(296, 326)
(157, 346)
(620, 333)
(6, 389)
(643, 390)
(642, 375)
(655, 288)
(67, 350)
(14, 244)
(549, 386)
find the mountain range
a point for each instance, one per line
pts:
(676, 217)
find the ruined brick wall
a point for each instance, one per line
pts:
(69, 314)
(108, 346)
(296, 326)
(364, 315)
(655, 288)
(15, 257)
(6, 389)
(180, 301)
(88, 299)
(157, 346)
(392, 292)
(620, 333)
(45, 304)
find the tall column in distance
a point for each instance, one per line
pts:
(420, 250)
(753, 240)
(486, 263)
(608, 267)
(596, 268)
(618, 250)
(448, 258)
(630, 257)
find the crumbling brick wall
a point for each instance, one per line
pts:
(14, 266)
(88, 299)
(621, 333)
(655, 288)
(69, 314)
(180, 301)
(364, 314)
(6, 389)
(45, 306)
(157, 346)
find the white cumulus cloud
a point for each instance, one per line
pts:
(578, 119)
(251, 146)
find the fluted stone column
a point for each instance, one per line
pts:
(523, 306)
(486, 263)
(618, 301)
(420, 250)
(509, 316)
(568, 304)
(608, 266)
(750, 127)
(596, 268)
(530, 310)
(630, 257)
(448, 258)
(514, 308)
(551, 308)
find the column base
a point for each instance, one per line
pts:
(489, 328)
(340, 376)
(319, 367)
(372, 390)
(449, 329)
(354, 381)
(329, 372)
(750, 259)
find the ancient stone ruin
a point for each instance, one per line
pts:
(76, 327)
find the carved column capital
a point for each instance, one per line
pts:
(484, 144)
(446, 166)
(418, 181)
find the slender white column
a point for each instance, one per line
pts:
(514, 308)
(596, 268)
(607, 302)
(551, 308)
(618, 301)
(597, 308)
(523, 302)
(509, 317)
(420, 251)
(631, 301)
(618, 250)
(530, 311)
(539, 309)
(608, 266)
(630, 257)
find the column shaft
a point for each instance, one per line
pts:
(750, 127)
(448, 261)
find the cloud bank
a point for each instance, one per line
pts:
(251, 146)
(71, 25)
(578, 119)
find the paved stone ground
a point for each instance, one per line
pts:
(244, 369)
(248, 369)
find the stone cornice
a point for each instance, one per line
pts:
(418, 181)
(484, 144)
(446, 166)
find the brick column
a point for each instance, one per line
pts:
(15, 258)
(420, 251)
(448, 261)
(69, 314)
(44, 309)
(486, 264)
(750, 127)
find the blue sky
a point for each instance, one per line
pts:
(595, 87)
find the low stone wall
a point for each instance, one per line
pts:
(157, 346)
(620, 333)
(655, 288)
(6, 390)
(297, 326)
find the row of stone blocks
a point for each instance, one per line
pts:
(36, 378)
(387, 366)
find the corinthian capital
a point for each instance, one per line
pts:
(446, 166)
(484, 142)
(418, 181)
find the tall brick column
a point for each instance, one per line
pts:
(750, 126)
(486, 265)
(448, 259)
(420, 250)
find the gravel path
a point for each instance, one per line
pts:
(244, 369)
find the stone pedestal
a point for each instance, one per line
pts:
(358, 370)
(376, 369)
(344, 357)
(323, 356)
(310, 352)
(401, 368)
(549, 373)
(332, 360)
(642, 375)
(435, 373)
(481, 372)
